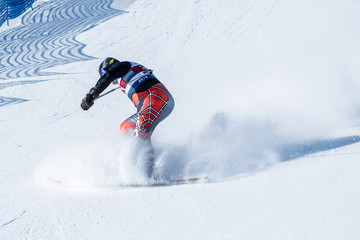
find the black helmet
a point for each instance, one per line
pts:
(105, 65)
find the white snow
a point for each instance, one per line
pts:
(247, 76)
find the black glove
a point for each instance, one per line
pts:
(88, 100)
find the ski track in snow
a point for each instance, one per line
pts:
(47, 38)
(9, 101)
(13, 220)
(11, 84)
(47, 35)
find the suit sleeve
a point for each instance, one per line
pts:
(116, 71)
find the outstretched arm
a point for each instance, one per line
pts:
(117, 70)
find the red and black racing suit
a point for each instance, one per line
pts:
(151, 98)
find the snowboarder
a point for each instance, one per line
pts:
(151, 98)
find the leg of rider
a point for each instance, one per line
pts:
(145, 148)
(146, 151)
(128, 126)
(155, 108)
(157, 105)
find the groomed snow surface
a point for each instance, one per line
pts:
(267, 106)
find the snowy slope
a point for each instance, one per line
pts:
(267, 105)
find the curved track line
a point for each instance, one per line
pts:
(47, 36)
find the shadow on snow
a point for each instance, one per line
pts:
(292, 151)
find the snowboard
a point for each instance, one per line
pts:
(177, 181)
(154, 183)
(170, 182)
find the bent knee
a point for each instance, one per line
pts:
(126, 127)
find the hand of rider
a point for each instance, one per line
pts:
(88, 100)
